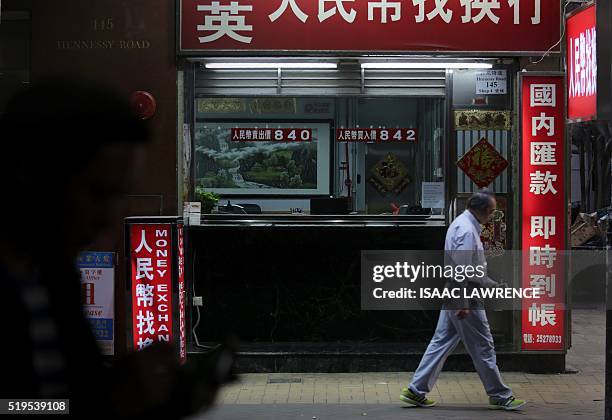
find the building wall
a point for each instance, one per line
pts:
(130, 44)
(14, 52)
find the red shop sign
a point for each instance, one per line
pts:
(518, 26)
(543, 210)
(151, 263)
(582, 65)
(181, 288)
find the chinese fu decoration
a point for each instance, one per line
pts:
(482, 163)
(543, 210)
(389, 175)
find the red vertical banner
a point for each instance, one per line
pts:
(543, 206)
(581, 41)
(181, 288)
(151, 273)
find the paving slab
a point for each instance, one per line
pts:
(460, 395)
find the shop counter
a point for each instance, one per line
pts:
(289, 288)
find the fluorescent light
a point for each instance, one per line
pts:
(288, 65)
(428, 65)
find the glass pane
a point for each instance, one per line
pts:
(372, 155)
(394, 168)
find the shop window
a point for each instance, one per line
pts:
(381, 155)
(396, 173)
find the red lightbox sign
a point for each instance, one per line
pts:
(181, 288)
(151, 267)
(582, 65)
(543, 210)
(515, 26)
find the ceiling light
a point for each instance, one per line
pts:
(288, 65)
(428, 65)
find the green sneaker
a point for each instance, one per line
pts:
(410, 397)
(510, 404)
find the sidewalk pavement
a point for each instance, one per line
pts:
(374, 395)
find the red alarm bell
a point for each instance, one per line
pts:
(144, 104)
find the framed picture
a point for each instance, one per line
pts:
(294, 159)
(482, 119)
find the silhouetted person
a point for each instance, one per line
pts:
(69, 153)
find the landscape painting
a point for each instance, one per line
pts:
(259, 167)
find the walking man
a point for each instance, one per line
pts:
(463, 245)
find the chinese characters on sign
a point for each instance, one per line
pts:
(271, 134)
(582, 65)
(543, 211)
(376, 135)
(97, 271)
(151, 264)
(482, 163)
(492, 82)
(390, 25)
(224, 20)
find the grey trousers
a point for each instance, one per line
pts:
(474, 332)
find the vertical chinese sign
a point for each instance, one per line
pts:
(151, 268)
(543, 210)
(181, 288)
(97, 271)
(581, 39)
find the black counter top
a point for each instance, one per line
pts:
(271, 220)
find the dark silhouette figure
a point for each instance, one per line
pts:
(70, 149)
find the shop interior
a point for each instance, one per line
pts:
(380, 177)
(296, 253)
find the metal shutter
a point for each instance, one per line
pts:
(347, 80)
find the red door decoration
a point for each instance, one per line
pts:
(482, 163)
